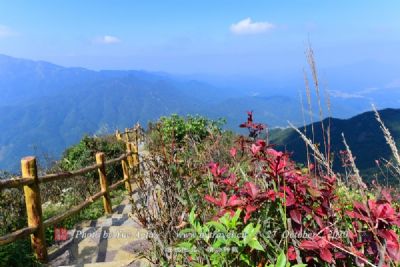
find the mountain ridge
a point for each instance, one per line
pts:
(45, 107)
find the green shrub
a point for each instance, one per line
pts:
(79, 156)
(176, 128)
(83, 154)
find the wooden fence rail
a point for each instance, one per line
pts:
(30, 181)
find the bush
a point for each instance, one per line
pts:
(79, 156)
(12, 218)
(221, 203)
(176, 128)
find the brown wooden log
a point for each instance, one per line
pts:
(115, 185)
(34, 208)
(64, 175)
(116, 160)
(100, 159)
(14, 182)
(59, 218)
(21, 233)
(125, 170)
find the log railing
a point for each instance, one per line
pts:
(30, 182)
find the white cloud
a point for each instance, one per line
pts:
(247, 26)
(107, 39)
(6, 31)
(340, 94)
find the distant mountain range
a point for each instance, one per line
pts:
(362, 133)
(44, 108)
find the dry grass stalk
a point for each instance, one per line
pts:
(356, 172)
(309, 101)
(318, 156)
(394, 170)
(313, 67)
(389, 139)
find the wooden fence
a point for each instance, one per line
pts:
(30, 181)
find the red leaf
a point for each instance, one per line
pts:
(392, 243)
(296, 216)
(319, 221)
(274, 153)
(290, 200)
(356, 215)
(255, 149)
(261, 143)
(270, 194)
(219, 202)
(224, 199)
(251, 189)
(233, 152)
(234, 201)
(392, 248)
(320, 211)
(249, 210)
(291, 254)
(326, 255)
(212, 200)
(360, 206)
(340, 255)
(216, 170)
(386, 195)
(308, 245)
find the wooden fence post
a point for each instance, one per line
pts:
(137, 136)
(127, 135)
(130, 157)
(125, 169)
(136, 151)
(100, 159)
(34, 208)
(136, 158)
(118, 135)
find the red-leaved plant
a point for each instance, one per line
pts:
(310, 202)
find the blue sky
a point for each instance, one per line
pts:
(212, 37)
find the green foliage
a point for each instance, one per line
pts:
(79, 156)
(83, 154)
(225, 242)
(176, 128)
(12, 218)
(17, 254)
